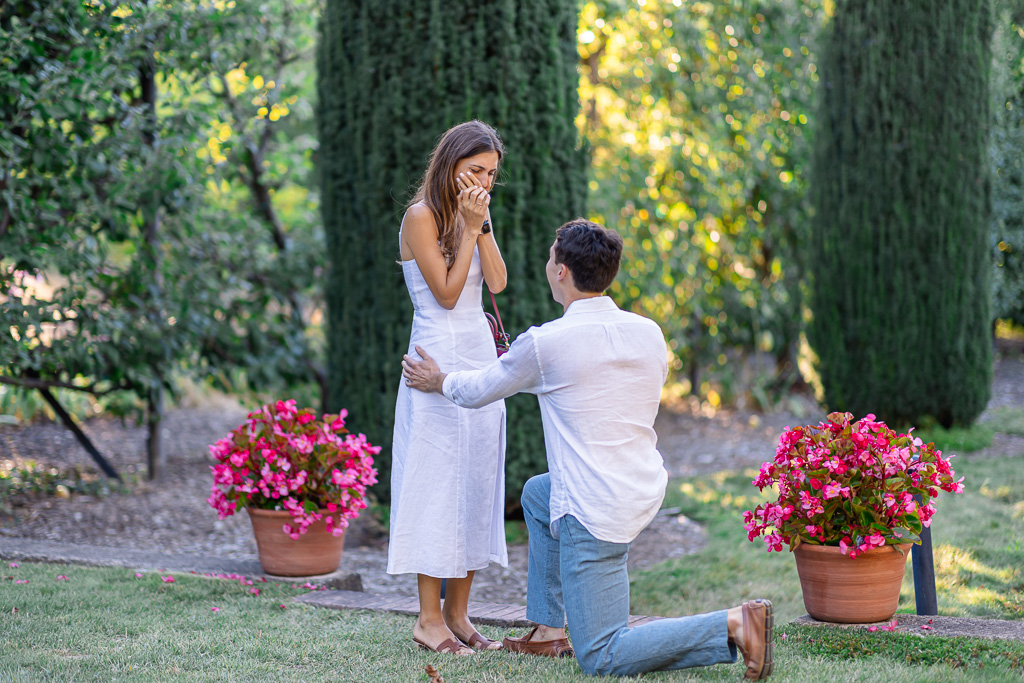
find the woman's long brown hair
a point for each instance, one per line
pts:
(437, 190)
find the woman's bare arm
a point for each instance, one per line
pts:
(493, 265)
(419, 241)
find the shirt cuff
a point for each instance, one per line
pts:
(446, 387)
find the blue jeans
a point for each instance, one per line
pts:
(581, 580)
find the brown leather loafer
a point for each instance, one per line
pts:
(558, 647)
(758, 623)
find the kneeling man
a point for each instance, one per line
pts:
(597, 372)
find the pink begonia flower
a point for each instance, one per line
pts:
(844, 545)
(138, 575)
(836, 489)
(891, 626)
(13, 565)
(61, 577)
(215, 609)
(872, 629)
(255, 591)
(783, 636)
(167, 579)
(286, 408)
(281, 606)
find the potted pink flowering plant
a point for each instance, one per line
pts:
(301, 479)
(852, 498)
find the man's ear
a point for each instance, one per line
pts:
(563, 272)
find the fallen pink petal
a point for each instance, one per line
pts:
(254, 591)
(215, 609)
(926, 627)
(61, 577)
(167, 579)
(13, 565)
(872, 628)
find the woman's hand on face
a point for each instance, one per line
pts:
(473, 202)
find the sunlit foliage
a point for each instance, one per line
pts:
(697, 116)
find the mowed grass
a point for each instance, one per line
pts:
(105, 625)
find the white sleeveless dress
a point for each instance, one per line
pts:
(448, 463)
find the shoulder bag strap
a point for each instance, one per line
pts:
(496, 313)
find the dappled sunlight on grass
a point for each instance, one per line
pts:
(979, 542)
(1001, 494)
(726, 489)
(963, 581)
(954, 562)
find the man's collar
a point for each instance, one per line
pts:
(591, 305)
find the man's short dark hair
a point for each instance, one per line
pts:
(591, 252)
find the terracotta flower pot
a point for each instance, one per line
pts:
(858, 590)
(314, 552)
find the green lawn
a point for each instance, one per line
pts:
(106, 624)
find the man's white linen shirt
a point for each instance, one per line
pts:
(597, 372)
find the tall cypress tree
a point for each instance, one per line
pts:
(900, 261)
(393, 76)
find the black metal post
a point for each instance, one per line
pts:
(924, 576)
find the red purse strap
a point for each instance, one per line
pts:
(496, 313)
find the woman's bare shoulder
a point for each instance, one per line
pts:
(419, 219)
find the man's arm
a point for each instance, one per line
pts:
(516, 371)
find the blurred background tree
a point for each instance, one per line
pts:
(1007, 158)
(899, 252)
(393, 77)
(136, 134)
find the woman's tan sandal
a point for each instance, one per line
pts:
(479, 642)
(450, 646)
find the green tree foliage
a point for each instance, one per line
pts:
(1007, 151)
(900, 261)
(149, 223)
(697, 115)
(393, 76)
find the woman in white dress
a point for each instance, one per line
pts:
(447, 473)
